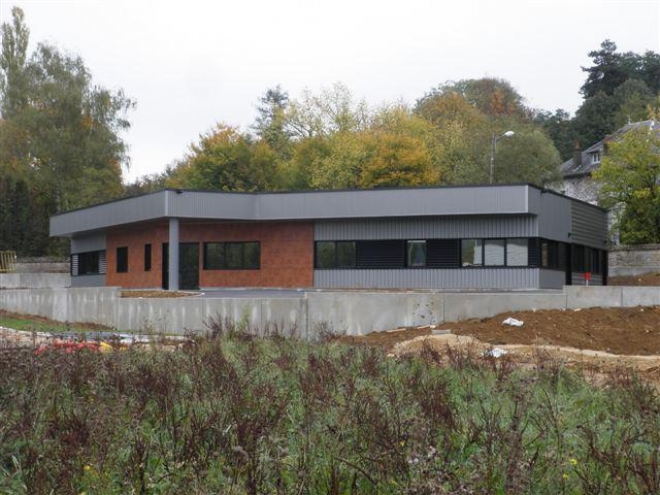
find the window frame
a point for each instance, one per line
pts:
(240, 260)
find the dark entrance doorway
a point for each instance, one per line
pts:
(188, 266)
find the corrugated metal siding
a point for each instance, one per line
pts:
(588, 225)
(487, 278)
(427, 228)
(95, 242)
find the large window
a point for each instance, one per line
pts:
(122, 259)
(430, 253)
(232, 256)
(335, 254)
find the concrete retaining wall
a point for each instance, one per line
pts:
(25, 280)
(634, 260)
(343, 312)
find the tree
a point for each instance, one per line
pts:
(59, 132)
(630, 176)
(491, 96)
(528, 156)
(333, 110)
(594, 119)
(225, 160)
(608, 71)
(558, 128)
(271, 120)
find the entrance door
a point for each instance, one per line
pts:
(188, 266)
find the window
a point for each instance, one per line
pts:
(471, 252)
(517, 252)
(147, 257)
(595, 157)
(335, 254)
(325, 254)
(416, 251)
(494, 252)
(232, 256)
(91, 263)
(122, 259)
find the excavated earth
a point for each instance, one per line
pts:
(599, 340)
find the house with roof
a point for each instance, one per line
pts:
(577, 181)
(465, 238)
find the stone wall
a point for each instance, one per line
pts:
(634, 260)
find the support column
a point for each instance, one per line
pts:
(173, 263)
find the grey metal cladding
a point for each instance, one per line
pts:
(210, 205)
(459, 278)
(588, 225)
(551, 279)
(554, 216)
(393, 203)
(129, 210)
(87, 243)
(451, 227)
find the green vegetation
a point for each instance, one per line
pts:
(36, 324)
(231, 413)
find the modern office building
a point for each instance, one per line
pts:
(485, 237)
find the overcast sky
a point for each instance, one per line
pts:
(192, 63)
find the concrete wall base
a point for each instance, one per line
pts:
(352, 313)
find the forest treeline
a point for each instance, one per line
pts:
(60, 144)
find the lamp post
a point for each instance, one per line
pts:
(493, 144)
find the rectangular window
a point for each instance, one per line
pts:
(335, 254)
(232, 255)
(325, 254)
(494, 252)
(381, 254)
(578, 259)
(91, 263)
(416, 253)
(147, 257)
(471, 252)
(517, 252)
(122, 259)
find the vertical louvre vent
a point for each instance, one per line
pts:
(75, 265)
(380, 254)
(102, 263)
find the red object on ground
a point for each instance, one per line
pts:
(68, 347)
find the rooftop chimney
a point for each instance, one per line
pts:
(577, 154)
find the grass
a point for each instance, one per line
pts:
(232, 413)
(37, 324)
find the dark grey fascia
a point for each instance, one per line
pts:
(375, 203)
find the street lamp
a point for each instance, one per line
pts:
(492, 150)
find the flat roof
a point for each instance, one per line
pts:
(511, 199)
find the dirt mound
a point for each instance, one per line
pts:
(623, 331)
(595, 340)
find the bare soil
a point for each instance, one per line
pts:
(600, 340)
(648, 279)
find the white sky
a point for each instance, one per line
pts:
(192, 63)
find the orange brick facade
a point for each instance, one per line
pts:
(287, 253)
